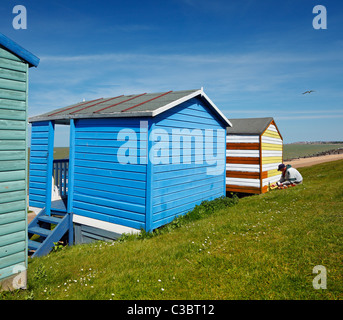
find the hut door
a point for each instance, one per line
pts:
(60, 172)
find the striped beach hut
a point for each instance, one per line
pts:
(15, 62)
(253, 152)
(135, 162)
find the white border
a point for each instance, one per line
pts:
(108, 226)
(186, 98)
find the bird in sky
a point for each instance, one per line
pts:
(309, 91)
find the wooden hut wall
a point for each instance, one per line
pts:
(104, 188)
(42, 138)
(272, 148)
(177, 188)
(13, 155)
(243, 163)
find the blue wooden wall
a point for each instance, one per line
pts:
(177, 188)
(104, 188)
(42, 138)
(141, 193)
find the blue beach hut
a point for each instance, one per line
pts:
(15, 62)
(135, 162)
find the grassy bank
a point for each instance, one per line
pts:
(263, 247)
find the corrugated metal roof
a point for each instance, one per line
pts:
(249, 125)
(136, 105)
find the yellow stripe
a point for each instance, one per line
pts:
(272, 134)
(272, 173)
(271, 160)
(270, 146)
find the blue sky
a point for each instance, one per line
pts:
(253, 58)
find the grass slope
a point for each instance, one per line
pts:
(264, 247)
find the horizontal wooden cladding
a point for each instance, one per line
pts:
(246, 189)
(182, 205)
(12, 75)
(6, 176)
(12, 186)
(239, 174)
(243, 146)
(16, 236)
(12, 124)
(269, 160)
(271, 140)
(271, 134)
(12, 165)
(243, 160)
(13, 85)
(271, 147)
(273, 172)
(264, 174)
(247, 175)
(242, 138)
(12, 104)
(13, 65)
(11, 249)
(270, 180)
(242, 189)
(38, 164)
(243, 167)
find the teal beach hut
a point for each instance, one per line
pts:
(14, 64)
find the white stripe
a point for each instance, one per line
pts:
(270, 166)
(242, 153)
(240, 138)
(271, 180)
(103, 225)
(271, 140)
(271, 153)
(243, 167)
(243, 182)
(186, 98)
(272, 128)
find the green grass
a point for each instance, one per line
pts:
(292, 151)
(61, 153)
(263, 247)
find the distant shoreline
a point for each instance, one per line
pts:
(310, 161)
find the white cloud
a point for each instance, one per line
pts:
(251, 84)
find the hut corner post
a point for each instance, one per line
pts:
(224, 173)
(260, 164)
(150, 176)
(71, 181)
(50, 167)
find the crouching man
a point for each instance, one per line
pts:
(289, 177)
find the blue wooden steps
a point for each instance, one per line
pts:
(41, 225)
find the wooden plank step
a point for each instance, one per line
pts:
(49, 219)
(33, 245)
(58, 211)
(40, 231)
